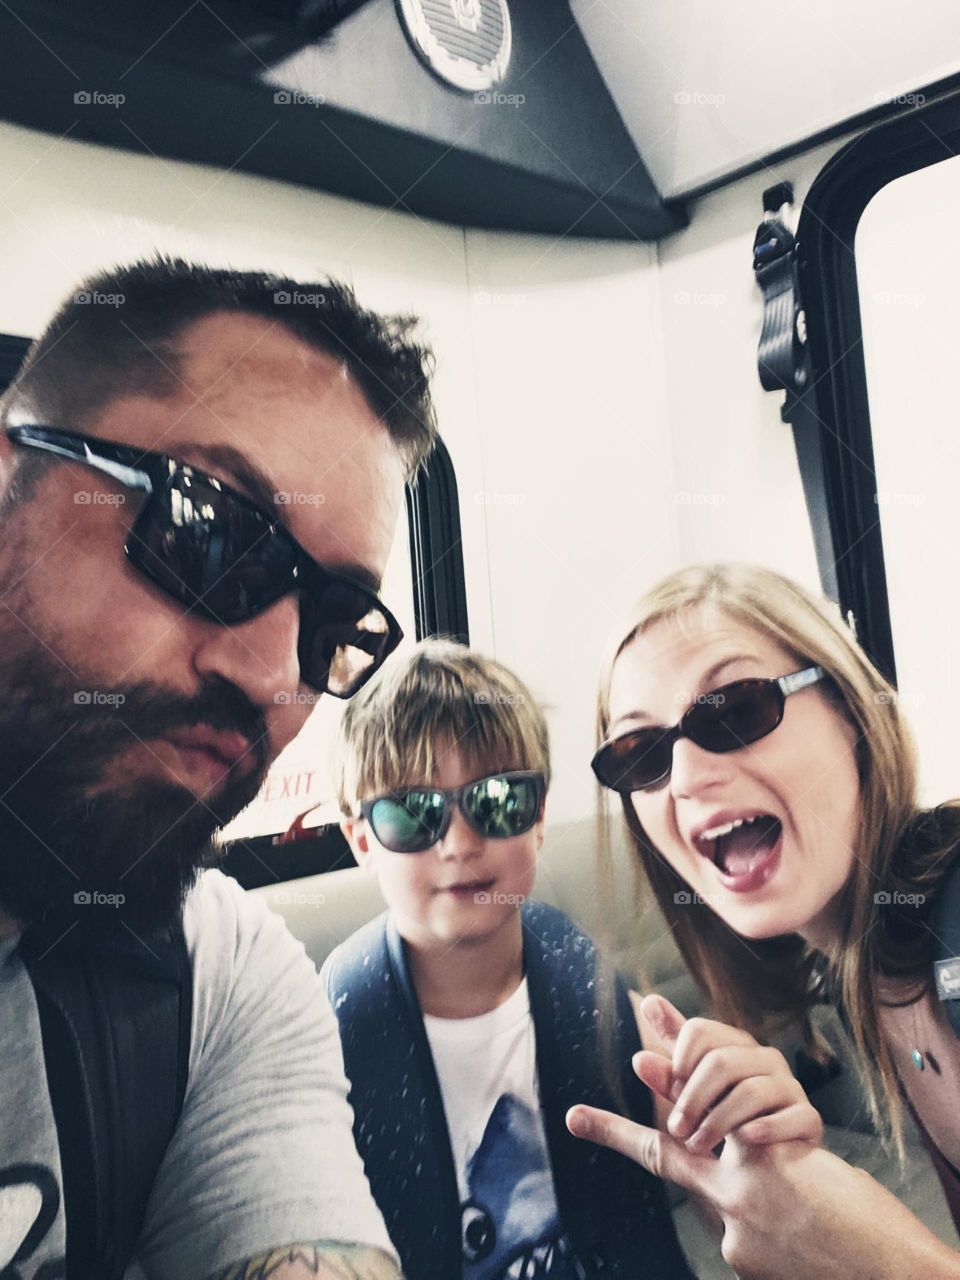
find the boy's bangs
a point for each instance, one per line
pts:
(415, 741)
(442, 699)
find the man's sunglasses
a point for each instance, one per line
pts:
(497, 807)
(218, 552)
(723, 720)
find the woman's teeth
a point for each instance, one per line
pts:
(725, 828)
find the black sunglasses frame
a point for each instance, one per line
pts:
(151, 472)
(453, 796)
(709, 709)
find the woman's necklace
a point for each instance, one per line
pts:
(920, 1057)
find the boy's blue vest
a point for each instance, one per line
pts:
(613, 1211)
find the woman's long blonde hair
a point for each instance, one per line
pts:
(773, 983)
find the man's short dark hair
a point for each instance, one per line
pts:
(116, 335)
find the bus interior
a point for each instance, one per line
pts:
(685, 269)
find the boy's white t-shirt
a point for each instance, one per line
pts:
(487, 1069)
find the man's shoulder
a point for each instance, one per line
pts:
(219, 913)
(245, 961)
(214, 897)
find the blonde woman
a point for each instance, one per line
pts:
(768, 785)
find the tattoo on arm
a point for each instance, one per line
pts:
(321, 1260)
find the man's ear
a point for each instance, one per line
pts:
(355, 833)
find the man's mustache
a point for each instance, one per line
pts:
(146, 711)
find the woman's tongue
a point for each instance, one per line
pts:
(746, 847)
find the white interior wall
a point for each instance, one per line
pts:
(743, 499)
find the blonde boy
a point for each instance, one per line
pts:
(469, 1014)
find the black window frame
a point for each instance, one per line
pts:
(440, 608)
(838, 393)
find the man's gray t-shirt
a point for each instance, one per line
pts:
(263, 1154)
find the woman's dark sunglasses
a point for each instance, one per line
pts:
(216, 551)
(723, 720)
(497, 807)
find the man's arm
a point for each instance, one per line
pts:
(322, 1260)
(264, 1152)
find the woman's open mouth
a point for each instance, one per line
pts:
(745, 852)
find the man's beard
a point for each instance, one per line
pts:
(73, 853)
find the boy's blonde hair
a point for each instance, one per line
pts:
(438, 697)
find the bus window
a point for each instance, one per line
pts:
(909, 282)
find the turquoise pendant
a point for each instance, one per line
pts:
(918, 1059)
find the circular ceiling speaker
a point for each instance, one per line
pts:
(464, 42)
